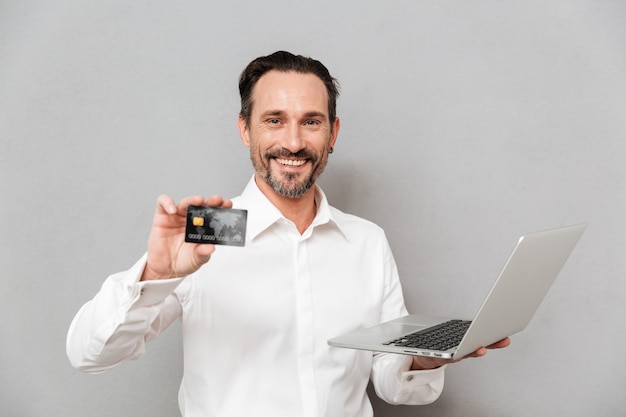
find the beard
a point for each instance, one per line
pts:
(284, 183)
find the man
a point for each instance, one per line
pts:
(256, 319)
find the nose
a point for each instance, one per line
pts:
(293, 140)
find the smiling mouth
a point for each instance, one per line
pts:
(291, 162)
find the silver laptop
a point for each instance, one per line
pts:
(510, 305)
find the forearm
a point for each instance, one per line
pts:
(115, 325)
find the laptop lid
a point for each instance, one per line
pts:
(522, 285)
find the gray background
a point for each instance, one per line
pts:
(465, 124)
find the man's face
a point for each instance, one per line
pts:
(289, 133)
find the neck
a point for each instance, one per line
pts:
(301, 211)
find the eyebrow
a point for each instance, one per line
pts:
(272, 113)
(316, 114)
(308, 114)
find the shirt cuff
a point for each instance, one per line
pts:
(395, 383)
(148, 293)
(412, 381)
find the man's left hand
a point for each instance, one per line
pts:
(425, 362)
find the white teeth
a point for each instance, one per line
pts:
(291, 162)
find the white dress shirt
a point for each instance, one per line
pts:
(256, 319)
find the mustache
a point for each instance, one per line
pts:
(285, 153)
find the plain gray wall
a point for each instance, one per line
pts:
(465, 124)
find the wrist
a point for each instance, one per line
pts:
(422, 363)
(149, 274)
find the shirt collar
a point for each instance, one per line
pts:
(262, 214)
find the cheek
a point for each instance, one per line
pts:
(260, 140)
(256, 155)
(323, 161)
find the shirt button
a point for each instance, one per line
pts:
(409, 378)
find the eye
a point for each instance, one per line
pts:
(273, 121)
(312, 122)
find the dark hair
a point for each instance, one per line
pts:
(285, 62)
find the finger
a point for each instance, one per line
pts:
(500, 344)
(194, 200)
(215, 201)
(166, 204)
(476, 354)
(483, 350)
(479, 352)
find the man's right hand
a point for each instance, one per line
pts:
(169, 256)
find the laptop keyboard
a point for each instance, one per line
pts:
(440, 337)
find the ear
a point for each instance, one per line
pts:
(333, 136)
(244, 131)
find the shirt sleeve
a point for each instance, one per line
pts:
(391, 376)
(116, 324)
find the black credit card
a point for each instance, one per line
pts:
(216, 225)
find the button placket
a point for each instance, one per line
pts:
(304, 306)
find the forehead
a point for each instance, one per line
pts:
(289, 91)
